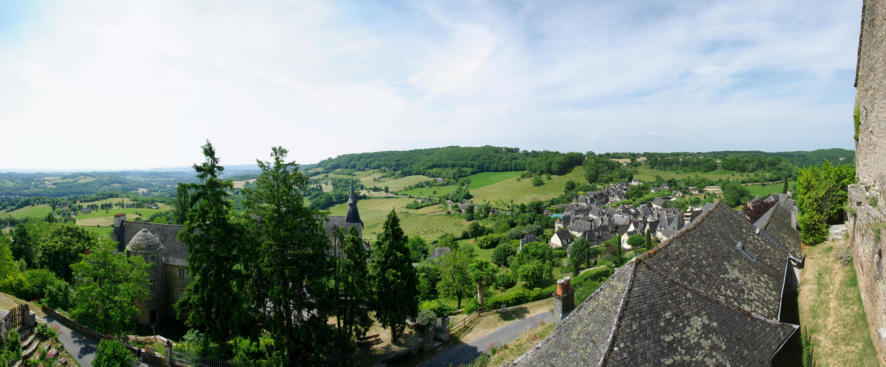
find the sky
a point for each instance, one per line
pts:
(113, 84)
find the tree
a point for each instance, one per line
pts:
(352, 289)
(26, 237)
(112, 353)
(215, 300)
(291, 268)
(569, 186)
(107, 286)
(475, 230)
(418, 248)
(7, 263)
(821, 198)
(735, 194)
(182, 203)
(648, 241)
(614, 247)
(501, 256)
(636, 240)
(535, 273)
(784, 189)
(393, 277)
(580, 255)
(482, 272)
(62, 247)
(455, 280)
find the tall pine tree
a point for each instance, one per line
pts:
(353, 292)
(394, 279)
(215, 300)
(290, 274)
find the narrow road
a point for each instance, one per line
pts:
(79, 346)
(466, 352)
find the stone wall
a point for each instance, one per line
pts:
(867, 218)
(174, 286)
(870, 154)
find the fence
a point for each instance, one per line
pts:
(461, 323)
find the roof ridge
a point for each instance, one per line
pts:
(693, 224)
(620, 313)
(769, 217)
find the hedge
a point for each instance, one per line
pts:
(438, 307)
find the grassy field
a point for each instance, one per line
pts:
(488, 178)
(33, 211)
(104, 232)
(433, 191)
(429, 222)
(648, 174)
(106, 217)
(764, 190)
(522, 191)
(831, 310)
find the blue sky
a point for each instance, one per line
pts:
(114, 85)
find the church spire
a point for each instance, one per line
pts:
(353, 215)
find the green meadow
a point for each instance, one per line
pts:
(521, 190)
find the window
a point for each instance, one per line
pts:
(182, 273)
(153, 287)
(747, 254)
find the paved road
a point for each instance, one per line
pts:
(79, 346)
(466, 352)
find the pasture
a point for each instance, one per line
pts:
(647, 174)
(488, 178)
(106, 217)
(31, 211)
(429, 222)
(521, 190)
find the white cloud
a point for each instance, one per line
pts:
(137, 85)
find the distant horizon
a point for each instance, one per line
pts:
(236, 166)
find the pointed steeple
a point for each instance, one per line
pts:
(353, 215)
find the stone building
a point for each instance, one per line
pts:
(159, 245)
(867, 218)
(710, 295)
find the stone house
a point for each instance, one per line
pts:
(159, 245)
(710, 295)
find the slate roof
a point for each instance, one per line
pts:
(705, 256)
(564, 236)
(580, 226)
(695, 299)
(176, 252)
(777, 223)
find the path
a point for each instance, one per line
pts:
(79, 346)
(466, 352)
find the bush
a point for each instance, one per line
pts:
(470, 305)
(58, 295)
(636, 240)
(559, 253)
(437, 307)
(822, 198)
(505, 280)
(112, 353)
(12, 349)
(535, 273)
(537, 181)
(426, 317)
(502, 255)
(46, 332)
(489, 241)
(519, 297)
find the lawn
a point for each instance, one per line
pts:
(831, 310)
(522, 191)
(103, 232)
(429, 222)
(32, 211)
(488, 178)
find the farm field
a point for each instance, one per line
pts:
(648, 174)
(32, 211)
(429, 222)
(488, 178)
(522, 191)
(433, 191)
(106, 217)
(764, 190)
(103, 232)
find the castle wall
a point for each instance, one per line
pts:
(867, 218)
(177, 279)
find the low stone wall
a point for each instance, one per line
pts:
(867, 228)
(153, 358)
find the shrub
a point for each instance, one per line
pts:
(489, 241)
(113, 353)
(822, 198)
(505, 280)
(537, 181)
(502, 254)
(856, 118)
(46, 332)
(426, 317)
(559, 253)
(470, 305)
(872, 200)
(58, 295)
(535, 273)
(636, 240)
(437, 307)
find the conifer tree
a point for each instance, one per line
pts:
(290, 272)
(394, 279)
(352, 289)
(215, 299)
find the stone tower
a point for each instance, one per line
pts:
(353, 215)
(148, 246)
(867, 222)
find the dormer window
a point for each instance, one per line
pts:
(747, 254)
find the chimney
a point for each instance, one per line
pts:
(119, 219)
(564, 298)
